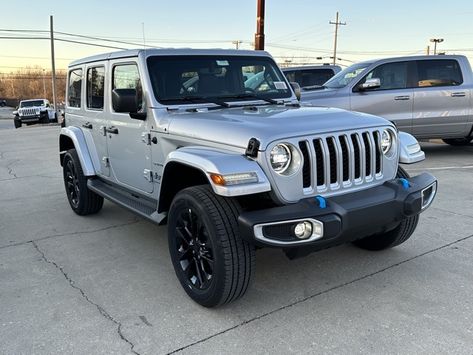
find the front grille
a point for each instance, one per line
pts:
(28, 112)
(336, 161)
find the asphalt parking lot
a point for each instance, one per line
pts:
(105, 284)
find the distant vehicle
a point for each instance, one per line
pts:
(311, 77)
(3, 103)
(34, 111)
(427, 96)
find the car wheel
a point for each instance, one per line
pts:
(82, 200)
(17, 123)
(44, 117)
(395, 236)
(458, 141)
(212, 262)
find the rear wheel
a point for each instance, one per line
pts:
(395, 236)
(82, 200)
(458, 141)
(44, 117)
(213, 264)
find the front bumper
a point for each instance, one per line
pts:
(35, 118)
(345, 218)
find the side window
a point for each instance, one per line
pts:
(314, 77)
(391, 75)
(438, 72)
(95, 87)
(74, 88)
(126, 76)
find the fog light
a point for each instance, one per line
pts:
(428, 194)
(303, 230)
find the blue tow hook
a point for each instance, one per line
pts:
(405, 183)
(322, 201)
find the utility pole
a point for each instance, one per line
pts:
(436, 40)
(427, 51)
(44, 83)
(259, 35)
(53, 61)
(237, 44)
(336, 23)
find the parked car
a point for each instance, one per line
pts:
(311, 77)
(230, 168)
(427, 96)
(3, 103)
(34, 111)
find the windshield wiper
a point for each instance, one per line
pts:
(198, 99)
(253, 96)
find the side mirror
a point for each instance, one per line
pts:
(125, 100)
(373, 83)
(297, 89)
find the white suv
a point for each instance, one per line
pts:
(34, 111)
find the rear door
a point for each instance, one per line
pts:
(441, 100)
(393, 99)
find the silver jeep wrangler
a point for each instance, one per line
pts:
(181, 137)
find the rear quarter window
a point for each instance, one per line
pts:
(74, 88)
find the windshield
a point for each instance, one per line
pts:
(200, 79)
(344, 77)
(32, 103)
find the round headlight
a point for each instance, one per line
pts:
(280, 158)
(386, 141)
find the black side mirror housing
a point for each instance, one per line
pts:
(125, 100)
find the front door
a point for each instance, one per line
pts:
(392, 100)
(129, 148)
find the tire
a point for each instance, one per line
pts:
(393, 237)
(82, 200)
(203, 230)
(458, 142)
(44, 118)
(17, 123)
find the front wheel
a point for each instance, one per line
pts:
(213, 264)
(17, 122)
(395, 236)
(82, 200)
(458, 142)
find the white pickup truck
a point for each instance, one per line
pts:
(427, 96)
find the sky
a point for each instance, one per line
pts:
(297, 30)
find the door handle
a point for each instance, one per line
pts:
(402, 98)
(87, 125)
(112, 130)
(457, 94)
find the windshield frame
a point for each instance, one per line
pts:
(158, 64)
(335, 82)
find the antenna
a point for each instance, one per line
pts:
(144, 40)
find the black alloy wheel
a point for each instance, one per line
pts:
(212, 262)
(194, 249)
(72, 183)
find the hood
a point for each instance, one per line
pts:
(235, 126)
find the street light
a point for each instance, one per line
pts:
(435, 41)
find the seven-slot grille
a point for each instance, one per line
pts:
(28, 112)
(340, 160)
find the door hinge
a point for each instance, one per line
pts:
(106, 162)
(148, 175)
(146, 138)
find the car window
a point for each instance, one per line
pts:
(312, 77)
(74, 88)
(95, 87)
(127, 76)
(391, 76)
(346, 76)
(438, 72)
